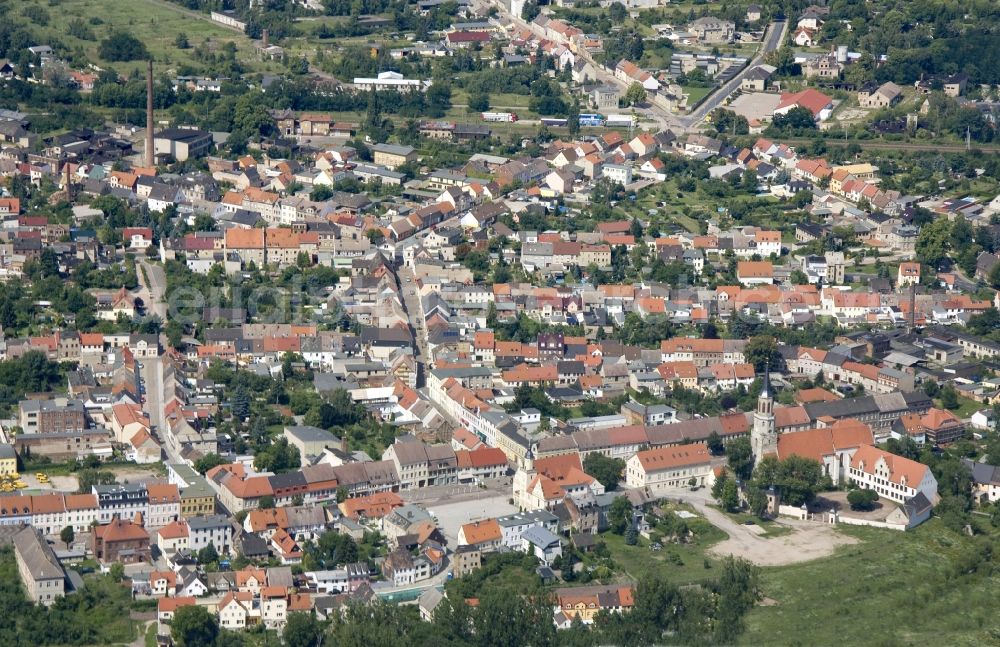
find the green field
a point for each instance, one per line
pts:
(695, 93)
(155, 22)
(893, 588)
(687, 563)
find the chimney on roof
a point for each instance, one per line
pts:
(149, 113)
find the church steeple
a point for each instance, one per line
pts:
(765, 401)
(764, 434)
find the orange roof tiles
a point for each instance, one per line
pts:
(663, 458)
(480, 532)
(901, 470)
(237, 238)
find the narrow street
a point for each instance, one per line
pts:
(773, 38)
(415, 315)
(154, 285)
(154, 291)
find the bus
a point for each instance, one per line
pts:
(499, 116)
(553, 121)
(626, 121)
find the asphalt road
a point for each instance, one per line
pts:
(154, 292)
(663, 118)
(772, 40)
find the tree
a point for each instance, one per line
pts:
(207, 462)
(949, 397)
(796, 478)
(739, 590)
(116, 572)
(66, 535)
(932, 242)
(342, 493)
(729, 495)
(862, 499)
(193, 626)
(715, 444)
(251, 118)
(761, 352)
(620, 515)
(240, 402)
(798, 118)
(507, 618)
(994, 276)
(739, 456)
(757, 502)
(208, 554)
(631, 536)
(121, 46)
(181, 42)
(321, 193)
(302, 629)
(438, 99)
(635, 94)
(728, 122)
(606, 470)
(479, 102)
(573, 119)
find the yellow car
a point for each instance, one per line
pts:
(20, 485)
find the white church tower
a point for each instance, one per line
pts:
(764, 435)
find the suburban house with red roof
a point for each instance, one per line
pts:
(820, 105)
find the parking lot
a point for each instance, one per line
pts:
(755, 105)
(451, 516)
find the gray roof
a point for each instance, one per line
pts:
(540, 536)
(37, 555)
(392, 149)
(525, 518)
(309, 434)
(983, 473)
(204, 522)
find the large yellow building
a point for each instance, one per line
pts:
(8, 460)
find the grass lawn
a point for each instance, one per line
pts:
(156, 24)
(966, 406)
(894, 588)
(687, 222)
(675, 562)
(695, 93)
(151, 635)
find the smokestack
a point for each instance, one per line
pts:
(913, 307)
(264, 37)
(149, 113)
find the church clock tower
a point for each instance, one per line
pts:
(764, 435)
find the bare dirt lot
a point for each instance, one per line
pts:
(808, 540)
